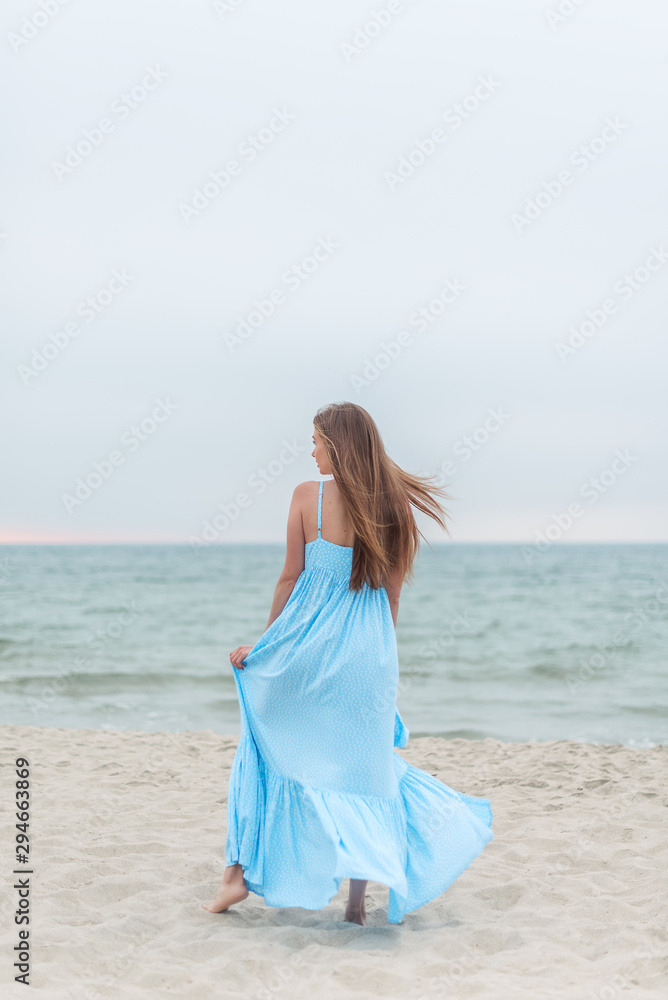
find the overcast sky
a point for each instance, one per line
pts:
(219, 217)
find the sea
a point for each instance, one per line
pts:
(510, 641)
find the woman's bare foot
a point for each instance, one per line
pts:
(232, 889)
(356, 910)
(356, 916)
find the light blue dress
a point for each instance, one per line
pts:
(317, 792)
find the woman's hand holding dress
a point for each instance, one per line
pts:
(237, 656)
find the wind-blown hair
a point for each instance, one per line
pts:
(377, 493)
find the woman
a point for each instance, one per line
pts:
(317, 793)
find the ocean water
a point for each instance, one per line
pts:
(494, 640)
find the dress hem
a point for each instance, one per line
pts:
(416, 843)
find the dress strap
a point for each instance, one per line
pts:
(320, 508)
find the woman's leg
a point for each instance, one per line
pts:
(233, 889)
(355, 910)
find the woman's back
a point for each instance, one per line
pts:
(335, 523)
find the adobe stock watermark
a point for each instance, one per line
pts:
(460, 624)
(248, 150)
(130, 442)
(118, 962)
(96, 643)
(31, 26)
(596, 318)
(581, 158)
(653, 609)
(472, 443)
(565, 8)
(591, 490)
(259, 480)
(292, 280)
(449, 983)
(453, 117)
(225, 7)
(371, 29)
(419, 320)
(625, 982)
(281, 975)
(88, 309)
(120, 109)
(615, 810)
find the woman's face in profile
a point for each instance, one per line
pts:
(320, 455)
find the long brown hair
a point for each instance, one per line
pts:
(377, 495)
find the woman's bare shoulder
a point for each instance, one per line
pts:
(303, 493)
(305, 489)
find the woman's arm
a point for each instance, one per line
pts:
(393, 588)
(294, 557)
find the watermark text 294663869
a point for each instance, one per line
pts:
(22, 885)
(22, 810)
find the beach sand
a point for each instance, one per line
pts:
(569, 901)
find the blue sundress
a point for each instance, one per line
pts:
(317, 792)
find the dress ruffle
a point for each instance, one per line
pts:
(417, 842)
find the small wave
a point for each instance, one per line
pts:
(551, 670)
(661, 711)
(453, 734)
(92, 683)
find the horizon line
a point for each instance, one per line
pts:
(451, 541)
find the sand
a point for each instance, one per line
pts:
(569, 901)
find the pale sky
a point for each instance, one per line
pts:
(472, 193)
